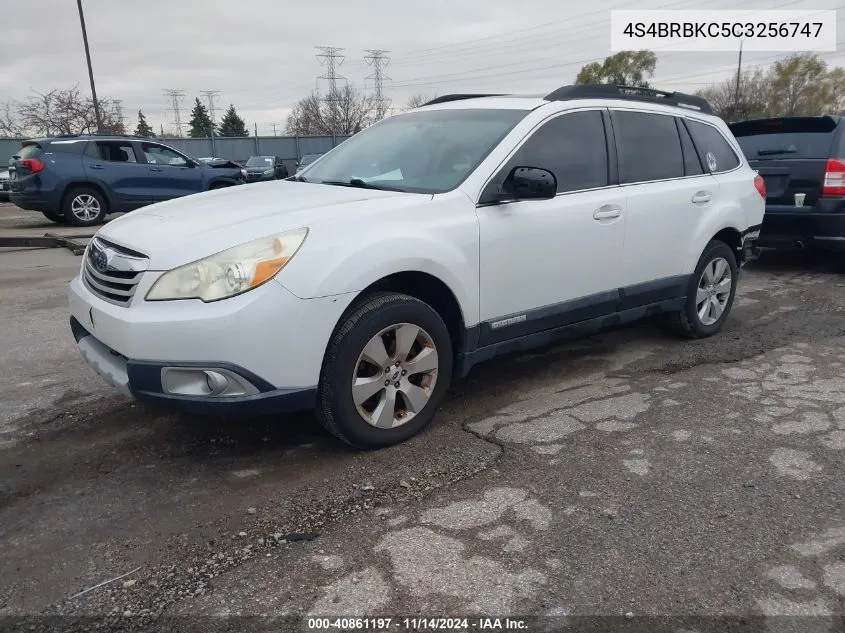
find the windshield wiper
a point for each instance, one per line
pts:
(298, 179)
(771, 152)
(360, 183)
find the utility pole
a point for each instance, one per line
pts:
(331, 58)
(210, 94)
(377, 59)
(175, 96)
(738, 75)
(90, 69)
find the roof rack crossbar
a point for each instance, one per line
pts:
(458, 97)
(632, 93)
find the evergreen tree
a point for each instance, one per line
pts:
(232, 124)
(143, 128)
(201, 125)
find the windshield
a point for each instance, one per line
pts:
(259, 161)
(424, 152)
(309, 158)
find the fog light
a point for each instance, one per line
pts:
(217, 382)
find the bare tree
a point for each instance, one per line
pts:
(10, 122)
(66, 112)
(415, 101)
(345, 112)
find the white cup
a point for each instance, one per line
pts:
(799, 199)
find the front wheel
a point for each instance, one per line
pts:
(386, 370)
(710, 294)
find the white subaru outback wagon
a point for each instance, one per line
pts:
(433, 240)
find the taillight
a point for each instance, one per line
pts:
(33, 164)
(761, 185)
(834, 178)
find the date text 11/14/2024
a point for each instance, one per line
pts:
(416, 624)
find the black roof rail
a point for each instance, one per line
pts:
(632, 93)
(458, 97)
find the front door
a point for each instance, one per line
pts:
(550, 263)
(171, 174)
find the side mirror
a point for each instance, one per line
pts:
(530, 183)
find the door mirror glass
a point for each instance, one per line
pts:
(530, 183)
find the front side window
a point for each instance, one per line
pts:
(161, 155)
(717, 153)
(424, 152)
(572, 146)
(649, 147)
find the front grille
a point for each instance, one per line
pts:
(112, 272)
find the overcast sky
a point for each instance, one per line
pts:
(260, 54)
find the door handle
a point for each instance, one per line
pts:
(607, 212)
(701, 197)
(156, 169)
(97, 166)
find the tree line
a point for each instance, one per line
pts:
(802, 84)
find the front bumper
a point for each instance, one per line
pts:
(266, 345)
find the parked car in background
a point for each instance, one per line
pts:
(81, 179)
(802, 160)
(306, 160)
(482, 226)
(4, 185)
(259, 168)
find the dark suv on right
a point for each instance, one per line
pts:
(802, 160)
(80, 179)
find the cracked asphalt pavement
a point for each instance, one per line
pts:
(627, 475)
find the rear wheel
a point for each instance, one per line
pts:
(710, 294)
(387, 368)
(84, 206)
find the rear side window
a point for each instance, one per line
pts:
(112, 151)
(799, 137)
(649, 147)
(572, 146)
(716, 152)
(692, 163)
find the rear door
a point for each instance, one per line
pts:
(791, 155)
(116, 166)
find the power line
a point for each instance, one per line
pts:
(210, 94)
(331, 58)
(378, 60)
(175, 96)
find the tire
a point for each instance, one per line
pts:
(380, 316)
(689, 321)
(91, 207)
(54, 217)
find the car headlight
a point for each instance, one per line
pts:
(268, 172)
(230, 272)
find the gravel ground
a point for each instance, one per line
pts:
(630, 475)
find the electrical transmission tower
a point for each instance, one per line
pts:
(378, 60)
(331, 58)
(210, 94)
(175, 96)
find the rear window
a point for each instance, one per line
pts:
(715, 151)
(786, 138)
(33, 150)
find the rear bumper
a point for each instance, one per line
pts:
(32, 201)
(819, 230)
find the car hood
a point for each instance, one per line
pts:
(183, 230)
